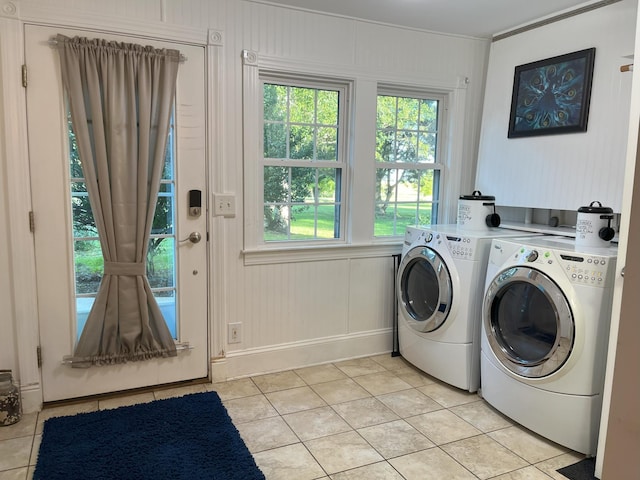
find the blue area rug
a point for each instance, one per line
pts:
(190, 437)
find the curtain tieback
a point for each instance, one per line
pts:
(125, 268)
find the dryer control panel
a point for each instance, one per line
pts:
(580, 268)
(587, 269)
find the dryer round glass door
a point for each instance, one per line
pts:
(424, 289)
(528, 322)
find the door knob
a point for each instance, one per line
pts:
(194, 237)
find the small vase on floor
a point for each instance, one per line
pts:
(10, 405)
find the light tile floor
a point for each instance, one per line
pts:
(373, 418)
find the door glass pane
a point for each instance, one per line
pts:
(161, 268)
(88, 259)
(89, 265)
(525, 322)
(167, 302)
(163, 218)
(83, 222)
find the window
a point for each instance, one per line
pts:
(407, 161)
(303, 160)
(339, 174)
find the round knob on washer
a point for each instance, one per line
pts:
(533, 256)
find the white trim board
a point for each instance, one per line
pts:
(301, 354)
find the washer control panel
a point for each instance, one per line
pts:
(458, 246)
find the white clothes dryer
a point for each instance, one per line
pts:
(439, 289)
(545, 328)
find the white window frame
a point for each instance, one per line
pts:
(253, 79)
(441, 146)
(341, 163)
(359, 240)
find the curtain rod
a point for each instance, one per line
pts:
(54, 43)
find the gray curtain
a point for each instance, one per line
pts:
(121, 98)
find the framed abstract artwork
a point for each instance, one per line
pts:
(552, 96)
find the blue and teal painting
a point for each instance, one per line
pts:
(551, 98)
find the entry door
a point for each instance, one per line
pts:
(68, 258)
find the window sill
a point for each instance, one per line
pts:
(319, 253)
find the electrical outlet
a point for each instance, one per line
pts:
(224, 204)
(234, 332)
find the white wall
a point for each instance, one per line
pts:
(301, 311)
(567, 171)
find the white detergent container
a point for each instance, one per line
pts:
(477, 212)
(593, 226)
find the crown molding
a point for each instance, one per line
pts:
(134, 27)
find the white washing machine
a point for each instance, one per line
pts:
(545, 328)
(439, 290)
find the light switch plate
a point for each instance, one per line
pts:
(224, 204)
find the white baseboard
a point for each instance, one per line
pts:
(31, 397)
(259, 361)
(219, 370)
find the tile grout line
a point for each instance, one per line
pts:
(386, 370)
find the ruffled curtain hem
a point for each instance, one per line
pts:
(113, 359)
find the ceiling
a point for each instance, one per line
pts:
(475, 18)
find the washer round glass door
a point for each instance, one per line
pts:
(528, 322)
(424, 289)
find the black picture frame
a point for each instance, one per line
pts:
(552, 96)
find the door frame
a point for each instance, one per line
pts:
(51, 202)
(612, 435)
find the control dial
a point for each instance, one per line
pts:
(532, 256)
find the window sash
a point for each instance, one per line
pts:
(339, 165)
(410, 127)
